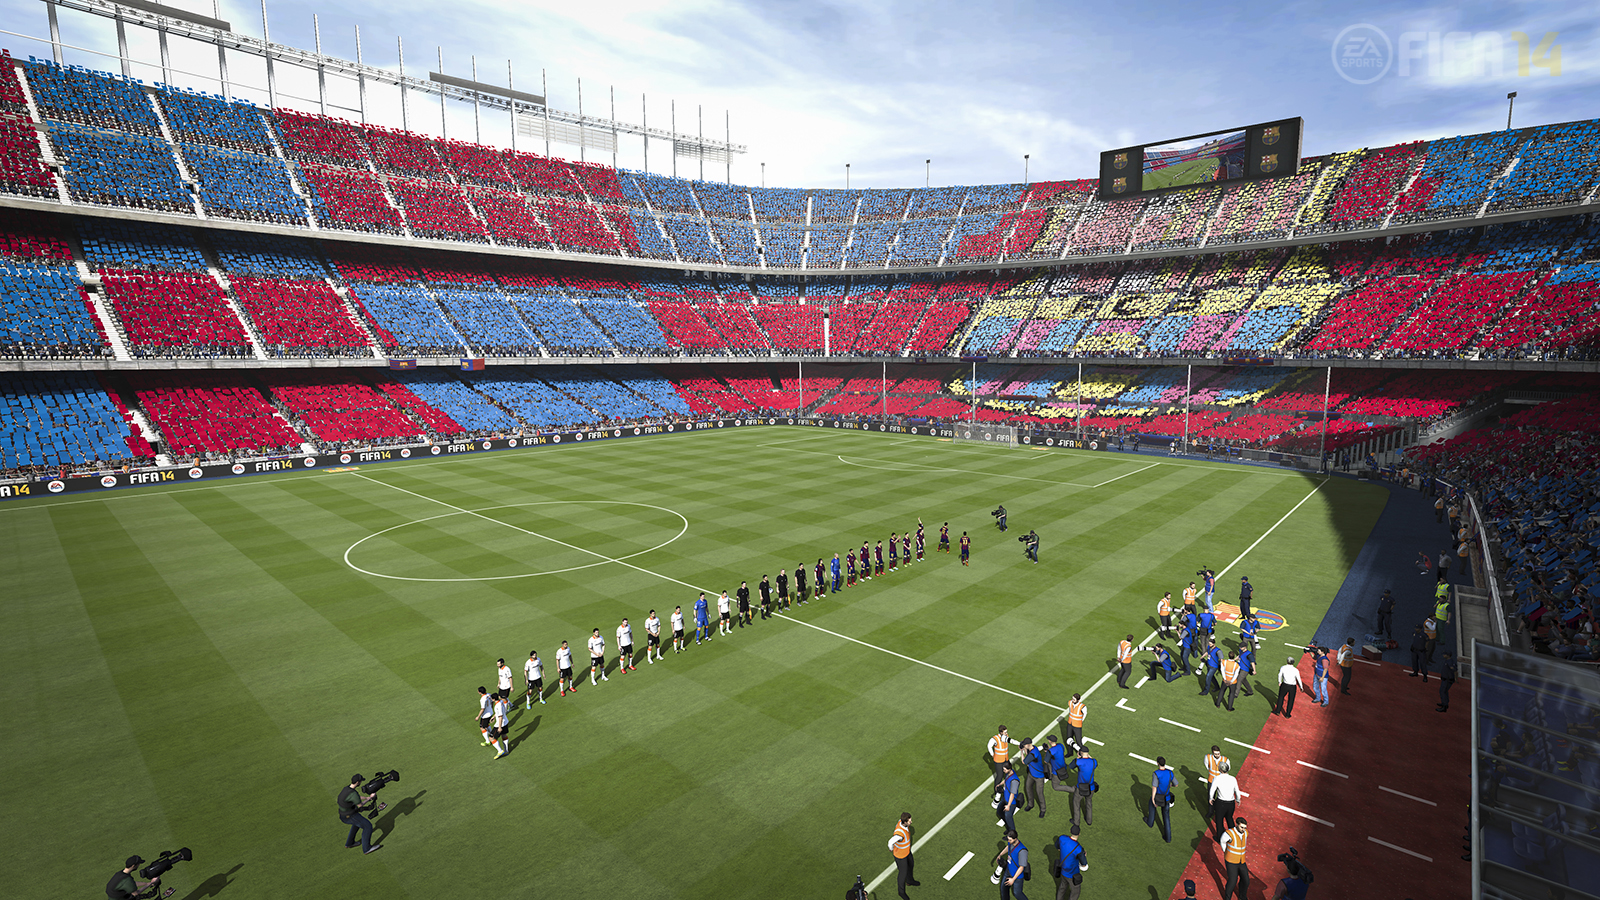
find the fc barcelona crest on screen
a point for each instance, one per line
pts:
(1120, 160)
(1269, 162)
(1119, 185)
(1269, 135)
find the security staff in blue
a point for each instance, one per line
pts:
(1161, 799)
(1208, 622)
(1037, 765)
(1083, 797)
(1190, 621)
(1185, 646)
(1248, 630)
(1073, 861)
(1013, 867)
(1209, 673)
(1010, 797)
(1247, 661)
(1057, 754)
(1162, 666)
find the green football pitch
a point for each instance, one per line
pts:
(1194, 171)
(205, 665)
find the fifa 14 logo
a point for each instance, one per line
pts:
(1364, 53)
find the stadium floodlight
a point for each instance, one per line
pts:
(174, 13)
(1025, 168)
(847, 176)
(468, 84)
(1511, 102)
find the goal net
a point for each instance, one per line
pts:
(985, 433)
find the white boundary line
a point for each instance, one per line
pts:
(1179, 724)
(1251, 746)
(1401, 849)
(1120, 477)
(1143, 759)
(1321, 769)
(1121, 704)
(957, 867)
(1406, 795)
(1312, 818)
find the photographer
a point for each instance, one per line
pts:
(123, 886)
(351, 804)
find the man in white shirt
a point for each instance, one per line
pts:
(677, 629)
(501, 725)
(597, 659)
(625, 646)
(503, 678)
(1288, 686)
(534, 670)
(724, 604)
(564, 668)
(485, 713)
(652, 638)
(1224, 795)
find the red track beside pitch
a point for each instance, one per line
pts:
(1385, 733)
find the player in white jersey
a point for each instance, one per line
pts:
(723, 605)
(485, 712)
(625, 646)
(534, 669)
(597, 659)
(652, 638)
(677, 629)
(503, 678)
(501, 726)
(564, 669)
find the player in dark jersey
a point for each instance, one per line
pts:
(850, 568)
(966, 548)
(944, 537)
(894, 551)
(920, 547)
(905, 547)
(877, 565)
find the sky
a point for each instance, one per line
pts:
(885, 86)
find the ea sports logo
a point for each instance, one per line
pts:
(511, 443)
(108, 481)
(309, 461)
(196, 473)
(1362, 54)
(56, 486)
(435, 450)
(237, 468)
(405, 452)
(344, 458)
(487, 445)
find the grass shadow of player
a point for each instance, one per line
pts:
(1139, 792)
(526, 732)
(213, 886)
(1196, 791)
(386, 823)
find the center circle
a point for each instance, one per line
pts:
(475, 539)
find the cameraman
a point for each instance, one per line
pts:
(1295, 886)
(1031, 544)
(123, 886)
(351, 804)
(1000, 516)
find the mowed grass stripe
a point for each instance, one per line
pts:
(196, 724)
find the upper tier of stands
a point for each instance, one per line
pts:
(121, 143)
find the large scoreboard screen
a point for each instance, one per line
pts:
(1235, 154)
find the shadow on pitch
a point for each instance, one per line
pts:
(213, 886)
(526, 732)
(386, 824)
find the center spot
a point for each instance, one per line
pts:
(518, 540)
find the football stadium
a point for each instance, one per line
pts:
(1231, 533)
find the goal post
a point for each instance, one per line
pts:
(987, 433)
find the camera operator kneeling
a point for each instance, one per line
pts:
(351, 804)
(123, 886)
(1295, 886)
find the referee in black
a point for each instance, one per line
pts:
(350, 802)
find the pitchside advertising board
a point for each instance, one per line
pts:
(347, 460)
(1252, 152)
